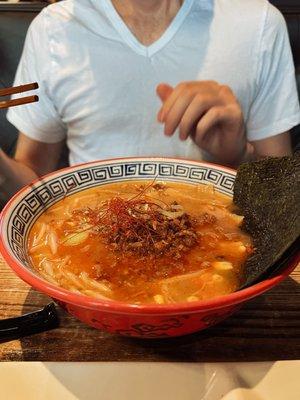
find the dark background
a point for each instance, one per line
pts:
(285, 3)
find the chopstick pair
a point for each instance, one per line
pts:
(16, 90)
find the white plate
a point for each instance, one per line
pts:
(145, 381)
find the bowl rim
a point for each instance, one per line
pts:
(64, 295)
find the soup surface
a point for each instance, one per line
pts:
(142, 242)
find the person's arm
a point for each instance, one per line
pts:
(39, 148)
(275, 146)
(32, 159)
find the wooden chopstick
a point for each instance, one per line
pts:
(18, 102)
(18, 89)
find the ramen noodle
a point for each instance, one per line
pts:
(142, 243)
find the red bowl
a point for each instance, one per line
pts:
(146, 321)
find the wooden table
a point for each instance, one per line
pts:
(266, 328)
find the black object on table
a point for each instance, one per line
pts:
(28, 324)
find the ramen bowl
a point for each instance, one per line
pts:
(137, 320)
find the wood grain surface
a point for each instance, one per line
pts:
(266, 328)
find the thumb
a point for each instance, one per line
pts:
(164, 90)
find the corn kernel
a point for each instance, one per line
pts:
(217, 278)
(222, 265)
(192, 298)
(158, 298)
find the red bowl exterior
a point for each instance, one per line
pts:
(150, 326)
(149, 320)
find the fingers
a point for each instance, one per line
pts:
(176, 113)
(169, 102)
(164, 90)
(184, 105)
(194, 112)
(214, 116)
(208, 121)
(196, 108)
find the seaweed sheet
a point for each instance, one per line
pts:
(267, 193)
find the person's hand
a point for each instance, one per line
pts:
(207, 112)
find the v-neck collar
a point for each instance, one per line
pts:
(133, 42)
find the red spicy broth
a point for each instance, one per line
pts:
(142, 243)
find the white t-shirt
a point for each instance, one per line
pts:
(97, 81)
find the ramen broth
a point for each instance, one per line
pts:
(175, 242)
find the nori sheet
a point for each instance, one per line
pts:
(267, 193)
